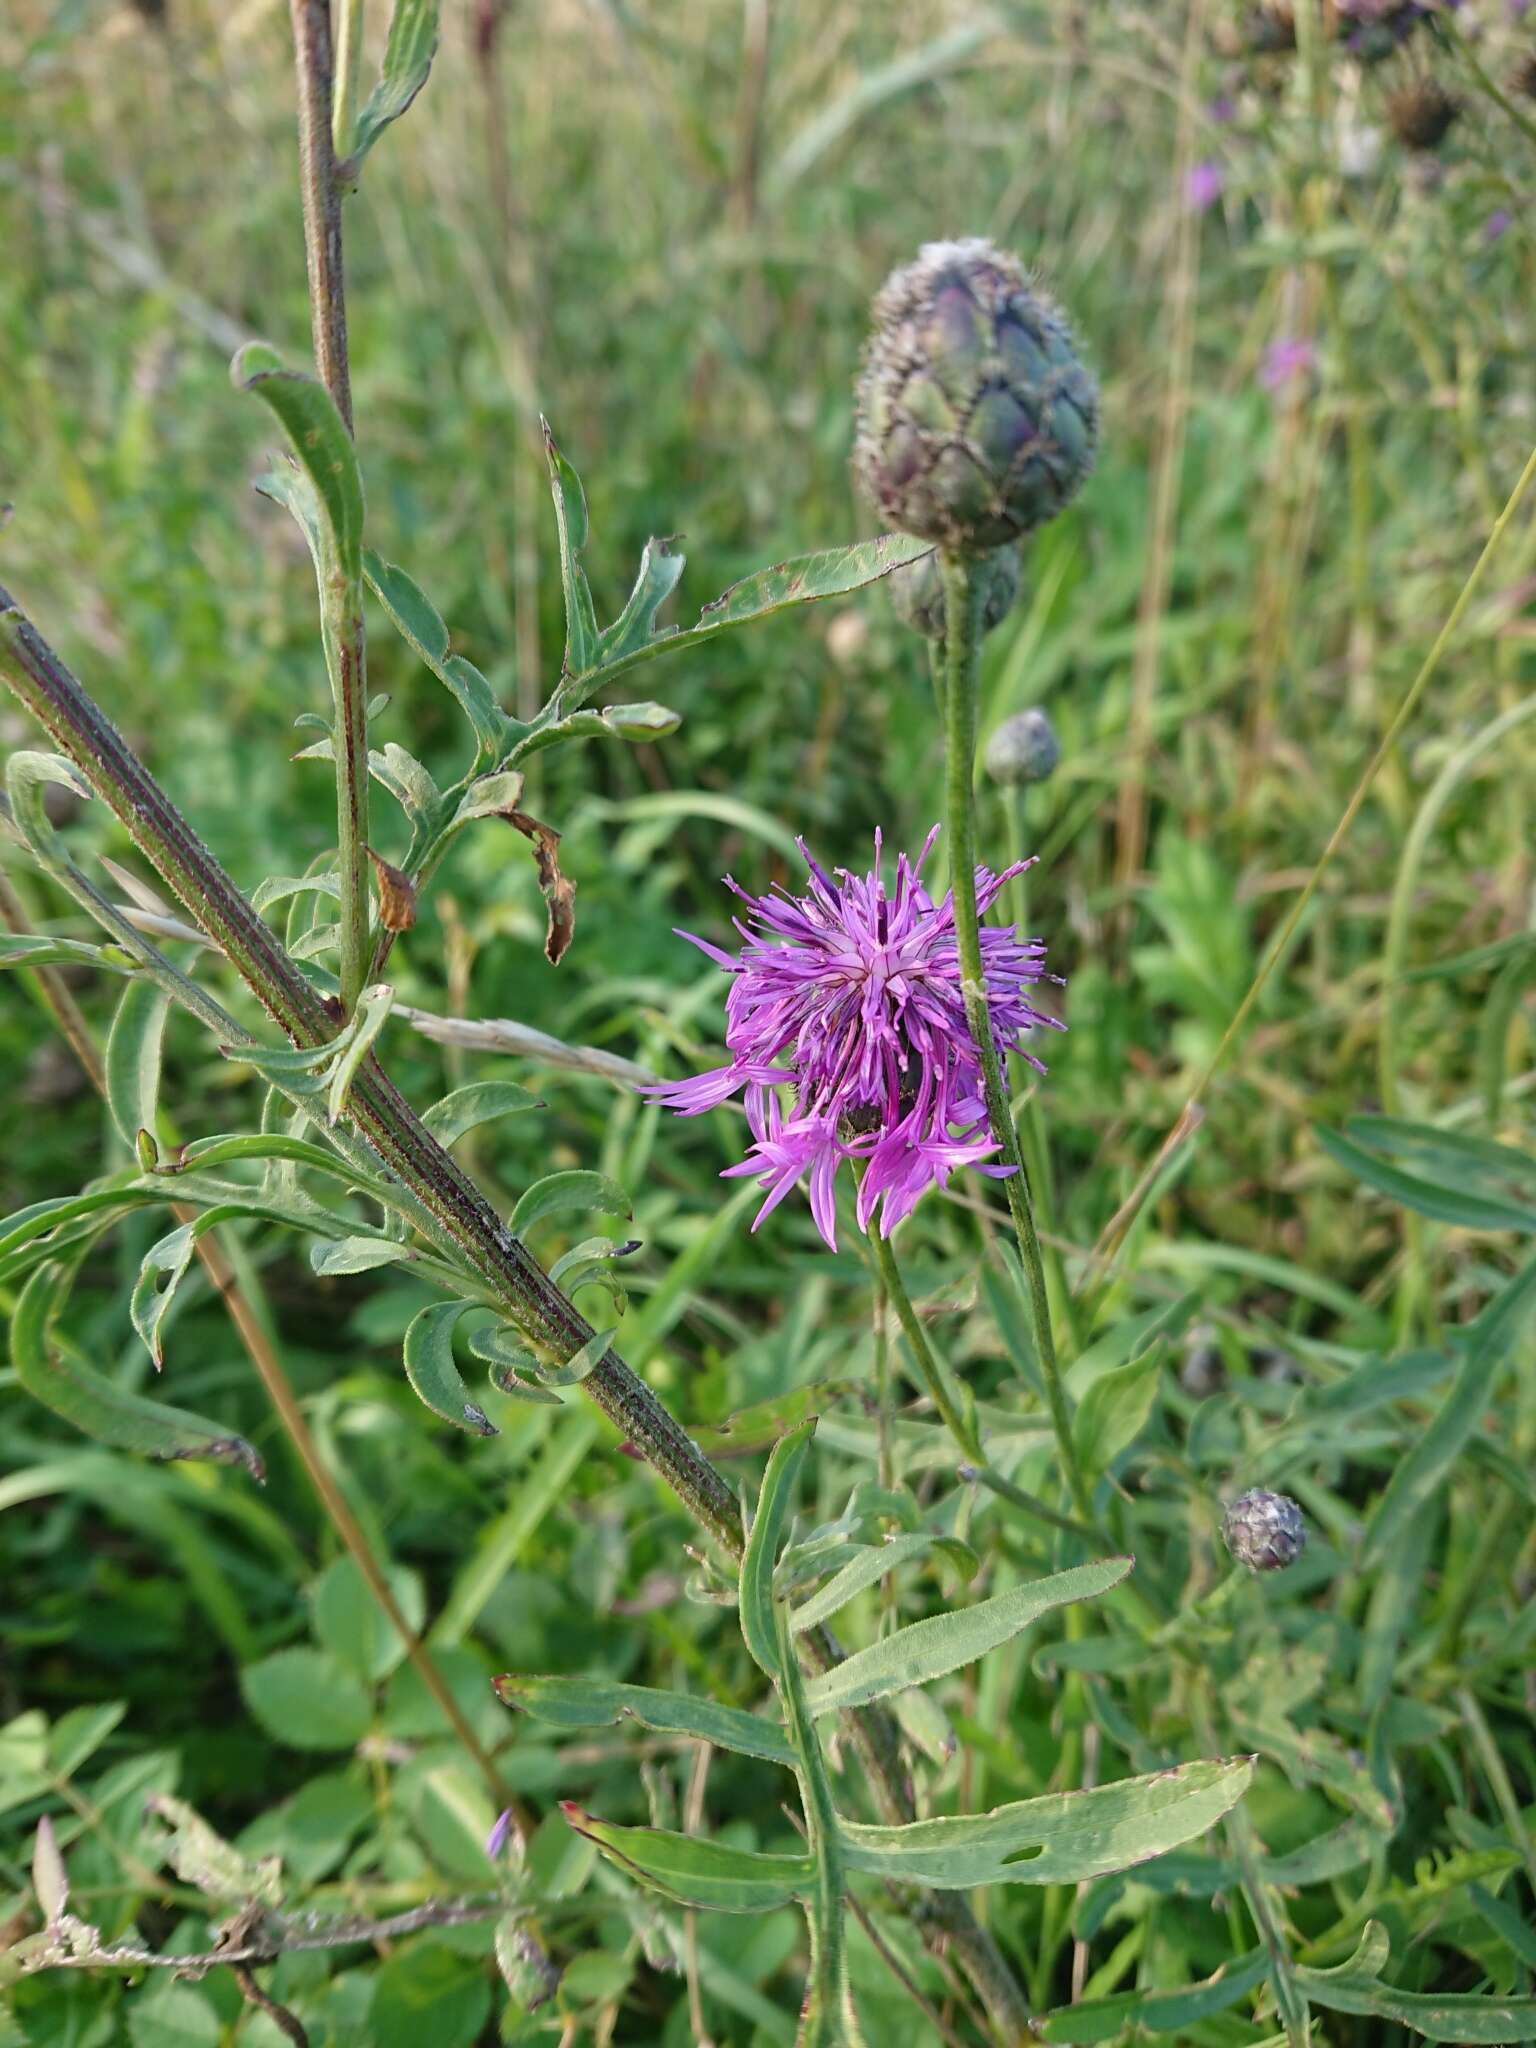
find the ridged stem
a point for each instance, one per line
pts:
(962, 647)
(453, 1208)
(341, 602)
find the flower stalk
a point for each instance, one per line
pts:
(341, 605)
(454, 1212)
(962, 643)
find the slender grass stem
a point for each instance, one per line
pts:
(1114, 1231)
(962, 641)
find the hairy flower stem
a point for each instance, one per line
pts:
(341, 605)
(962, 648)
(461, 1220)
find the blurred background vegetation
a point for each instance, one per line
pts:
(660, 225)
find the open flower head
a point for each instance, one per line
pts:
(846, 1027)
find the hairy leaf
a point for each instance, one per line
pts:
(774, 1503)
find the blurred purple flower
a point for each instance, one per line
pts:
(851, 996)
(500, 1835)
(1285, 360)
(1498, 224)
(1202, 186)
(1222, 110)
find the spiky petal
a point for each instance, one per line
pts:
(848, 1038)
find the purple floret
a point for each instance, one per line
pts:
(850, 996)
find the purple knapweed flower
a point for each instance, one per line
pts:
(1202, 186)
(850, 997)
(1286, 360)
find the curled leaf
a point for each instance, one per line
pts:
(397, 894)
(559, 894)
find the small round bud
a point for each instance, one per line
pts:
(1265, 1531)
(1024, 749)
(977, 420)
(917, 591)
(1421, 114)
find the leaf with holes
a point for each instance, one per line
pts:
(1060, 1839)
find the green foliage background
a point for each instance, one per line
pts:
(678, 277)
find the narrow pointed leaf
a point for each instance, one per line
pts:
(944, 1642)
(320, 442)
(694, 1871)
(373, 1007)
(134, 1047)
(1356, 1987)
(1414, 1482)
(832, 572)
(872, 1566)
(1159, 2012)
(571, 528)
(408, 54)
(420, 625)
(1433, 1198)
(660, 568)
(599, 1702)
(430, 1368)
(356, 1255)
(97, 1406)
(774, 1504)
(1060, 1839)
(161, 1272)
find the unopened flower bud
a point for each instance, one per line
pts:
(1265, 1531)
(1421, 114)
(977, 420)
(917, 591)
(1024, 749)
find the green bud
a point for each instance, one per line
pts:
(1024, 749)
(977, 420)
(917, 591)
